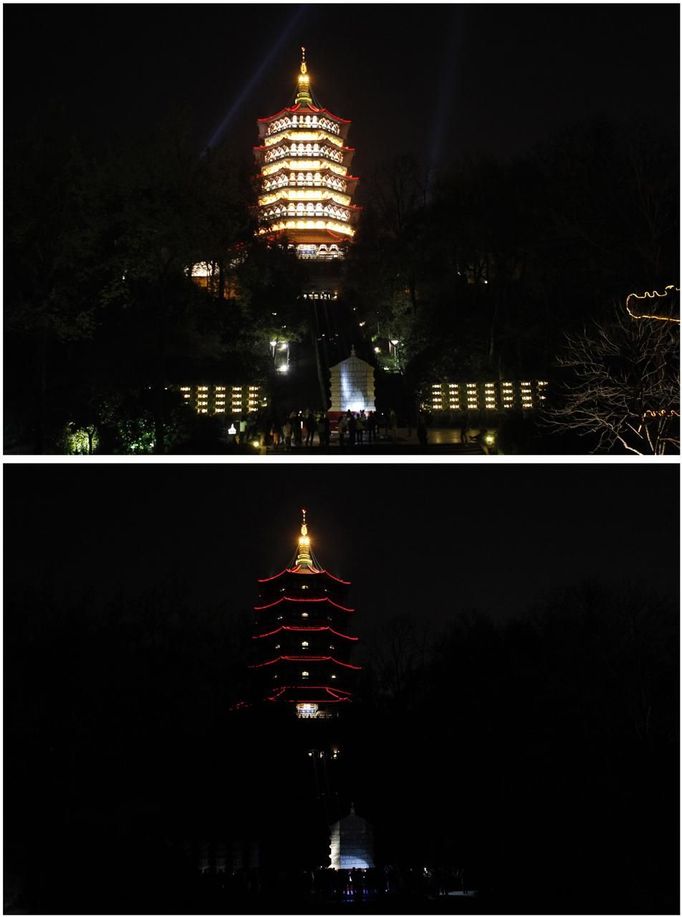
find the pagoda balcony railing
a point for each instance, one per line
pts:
(305, 180)
(332, 212)
(305, 150)
(320, 255)
(299, 121)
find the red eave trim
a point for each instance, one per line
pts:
(294, 109)
(286, 598)
(346, 665)
(268, 579)
(309, 629)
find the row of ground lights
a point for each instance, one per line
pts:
(460, 396)
(208, 399)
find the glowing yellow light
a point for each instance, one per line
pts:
(653, 295)
(661, 413)
(315, 194)
(305, 136)
(334, 225)
(303, 165)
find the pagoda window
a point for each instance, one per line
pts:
(304, 645)
(333, 676)
(305, 674)
(304, 614)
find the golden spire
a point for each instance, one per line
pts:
(303, 94)
(303, 555)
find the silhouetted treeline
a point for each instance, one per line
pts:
(480, 270)
(540, 755)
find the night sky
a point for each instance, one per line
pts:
(440, 80)
(430, 541)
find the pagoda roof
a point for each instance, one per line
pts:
(322, 200)
(297, 600)
(305, 658)
(299, 569)
(334, 695)
(309, 628)
(326, 169)
(312, 236)
(299, 107)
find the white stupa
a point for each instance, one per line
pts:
(352, 843)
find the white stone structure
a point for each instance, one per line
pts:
(352, 385)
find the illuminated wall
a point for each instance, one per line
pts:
(305, 186)
(352, 385)
(459, 397)
(224, 399)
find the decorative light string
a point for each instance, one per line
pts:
(654, 294)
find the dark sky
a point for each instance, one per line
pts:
(427, 540)
(440, 79)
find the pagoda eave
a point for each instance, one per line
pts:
(318, 694)
(298, 570)
(296, 109)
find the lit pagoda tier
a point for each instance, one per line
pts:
(305, 189)
(302, 641)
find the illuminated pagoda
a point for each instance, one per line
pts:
(305, 189)
(302, 644)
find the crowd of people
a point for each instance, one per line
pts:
(307, 429)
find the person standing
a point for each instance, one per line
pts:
(352, 428)
(342, 427)
(371, 427)
(288, 430)
(311, 428)
(422, 434)
(393, 424)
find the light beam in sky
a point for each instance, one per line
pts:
(257, 76)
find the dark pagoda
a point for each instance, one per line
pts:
(302, 642)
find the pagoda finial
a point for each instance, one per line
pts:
(303, 555)
(303, 94)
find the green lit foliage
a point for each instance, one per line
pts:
(81, 440)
